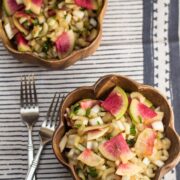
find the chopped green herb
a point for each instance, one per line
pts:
(98, 122)
(35, 22)
(65, 16)
(140, 119)
(108, 136)
(88, 111)
(133, 130)
(26, 24)
(92, 172)
(28, 11)
(77, 125)
(75, 108)
(47, 45)
(130, 142)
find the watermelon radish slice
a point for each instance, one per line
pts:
(22, 43)
(116, 103)
(91, 159)
(159, 118)
(94, 134)
(141, 98)
(88, 4)
(65, 43)
(34, 5)
(145, 142)
(116, 148)
(128, 169)
(140, 111)
(88, 103)
(11, 6)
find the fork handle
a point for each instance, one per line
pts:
(30, 149)
(34, 164)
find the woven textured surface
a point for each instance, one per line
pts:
(121, 52)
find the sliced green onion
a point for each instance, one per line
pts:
(88, 111)
(92, 172)
(140, 119)
(130, 142)
(133, 130)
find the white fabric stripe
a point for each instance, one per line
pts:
(121, 51)
(161, 46)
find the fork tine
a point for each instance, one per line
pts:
(30, 89)
(57, 115)
(53, 117)
(22, 93)
(50, 108)
(34, 90)
(26, 90)
(62, 99)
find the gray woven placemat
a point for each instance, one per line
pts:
(121, 51)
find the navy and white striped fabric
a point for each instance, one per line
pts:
(140, 40)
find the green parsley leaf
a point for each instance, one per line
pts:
(35, 22)
(108, 136)
(28, 11)
(92, 172)
(26, 24)
(88, 111)
(77, 125)
(130, 142)
(47, 45)
(75, 108)
(140, 119)
(133, 130)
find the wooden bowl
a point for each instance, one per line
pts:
(54, 64)
(99, 91)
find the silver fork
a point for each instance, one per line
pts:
(46, 132)
(29, 110)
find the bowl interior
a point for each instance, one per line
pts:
(55, 64)
(99, 91)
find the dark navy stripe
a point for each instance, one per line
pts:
(175, 64)
(175, 61)
(147, 42)
(174, 55)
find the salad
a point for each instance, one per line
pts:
(51, 28)
(119, 138)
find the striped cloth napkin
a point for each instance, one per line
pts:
(135, 43)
